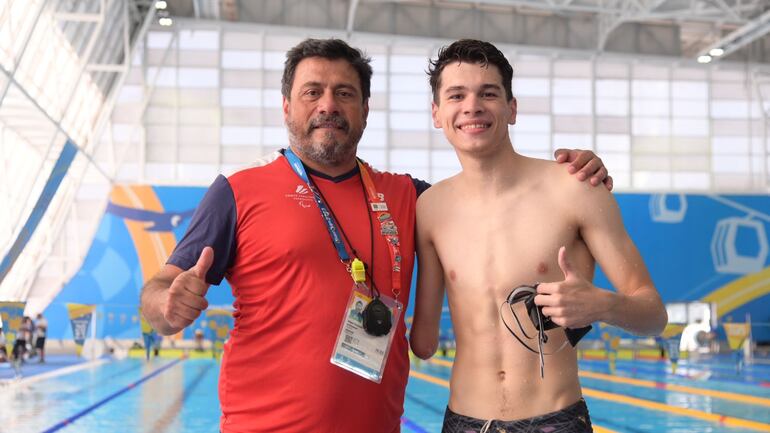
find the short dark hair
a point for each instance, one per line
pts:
(331, 49)
(470, 51)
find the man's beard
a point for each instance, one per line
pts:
(328, 151)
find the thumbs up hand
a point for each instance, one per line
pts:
(187, 293)
(571, 303)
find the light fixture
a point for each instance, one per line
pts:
(704, 58)
(161, 5)
(164, 18)
(755, 28)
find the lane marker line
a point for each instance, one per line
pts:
(692, 413)
(678, 388)
(103, 401)
(174, 409)
(412, 426)
(698, 376)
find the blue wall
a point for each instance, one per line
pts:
(697, 247)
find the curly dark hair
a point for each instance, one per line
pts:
(470, 51)
(331, 49)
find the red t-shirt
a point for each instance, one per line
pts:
(291, 296)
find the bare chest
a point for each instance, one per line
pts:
(497, 246)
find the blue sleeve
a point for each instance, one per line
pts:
(213, 224)
(419, 185)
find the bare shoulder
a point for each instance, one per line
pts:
(436, 194)
(547, 167)
(553, 182)
(563, 182)
(590, 204)
(544, 174)
(432, 206)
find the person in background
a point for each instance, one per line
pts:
(41, 329)
(3, 342)
(199, 340)
(23, 337)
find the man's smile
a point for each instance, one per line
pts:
(473, 126)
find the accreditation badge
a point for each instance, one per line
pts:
(357, 351)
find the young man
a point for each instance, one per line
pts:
(507, 221)
(270, 234)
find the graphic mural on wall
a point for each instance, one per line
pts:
(11, 314)
(729, 253)
(139, 229)
(710, 248)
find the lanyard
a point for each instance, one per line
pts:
(377, 205)
(331, 225)
(388, 228)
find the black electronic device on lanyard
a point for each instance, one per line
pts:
(541, 322)
(377, 318)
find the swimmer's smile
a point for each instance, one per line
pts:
(474, 126)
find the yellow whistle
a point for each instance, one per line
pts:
(357, 271)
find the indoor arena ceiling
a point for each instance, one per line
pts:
(678, 28)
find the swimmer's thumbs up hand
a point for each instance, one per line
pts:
(187, 293)
(565, 265)
(569, 302)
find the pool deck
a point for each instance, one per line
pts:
(32, 370)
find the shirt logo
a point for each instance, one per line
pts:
(302, 196)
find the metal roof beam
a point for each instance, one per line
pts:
(740, 37)
(645, 9)
(78, 17)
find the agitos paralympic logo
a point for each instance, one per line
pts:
(302, 196)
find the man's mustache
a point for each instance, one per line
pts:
(333, 120)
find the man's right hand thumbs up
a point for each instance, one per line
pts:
(187, 293)
(204, 263)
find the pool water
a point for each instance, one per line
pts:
(166, 395)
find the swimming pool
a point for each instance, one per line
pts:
(121, 396)
(166, 395)
(641, 396)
